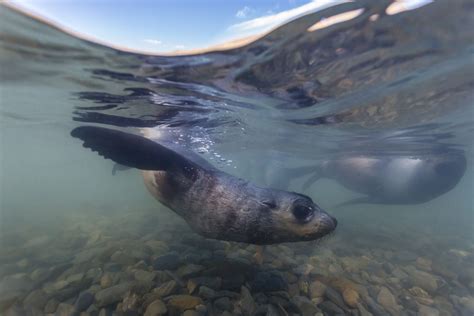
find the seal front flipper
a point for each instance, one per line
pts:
(132, 150)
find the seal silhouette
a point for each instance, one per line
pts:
(215, 204)
(388, 179)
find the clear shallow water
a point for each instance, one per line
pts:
(378, 85)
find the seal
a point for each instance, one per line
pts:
(215, 204)
(391, 179)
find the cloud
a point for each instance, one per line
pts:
(179, 46)
(405, 5)
(264, 23)
(338, 18)
(153, 41)
(243, 13)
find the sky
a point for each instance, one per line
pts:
(168, 25)
(159, 26)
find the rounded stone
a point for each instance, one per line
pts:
(183, 302)
(156, 308)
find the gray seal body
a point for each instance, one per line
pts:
(392, 179)
(215, 204)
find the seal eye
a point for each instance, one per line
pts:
(302, 213)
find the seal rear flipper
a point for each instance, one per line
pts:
(311, 180)
(359, 200)
(131, 150)
(119, 167)
(282, 179)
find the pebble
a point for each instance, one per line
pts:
(189, 270)
(333, 296)
(83, 302)
(157, 246)
(112, 294)
(64, 310)
(468, 303)
(112, 267)
(423, 263)
(51, 306)
(387, 300)
(106, 280)
(223, 303)
(156, 308)
(206, 293)
(424, 310)
(362, 310)
(166, 289)
(331, 308)
(423, 280)
(213, 283)
(317, 289)
(170, 261)
(183, 302)
(247, 303)
(122, 258)
(233, 282)
(36, 299)
(131, 302)
(304, 269)
(293, 289)
(201, 309)
(268, 282)
(351, 297)
(144, 276)
(191, 312)
(305, 306)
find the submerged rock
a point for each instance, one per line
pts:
(423, 279)
(191, 312)
(64, 310)
(206, 293)
(144, 276)
(51, 306)
(468, 303)
(333, 296)
(268, 282)
(210, 282)
(170, 261)
(183, 302)
(189, 270)
(317, 289)
(83, 302)
(351, 297)
(36, 299)
(305, 306)
(331, 309)
(166, 289)
(424, 310)
(223, 303)
(156, 308)
(387, 300)
(106, 280)
(246, 302)
(12, 287)
(112, 294)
